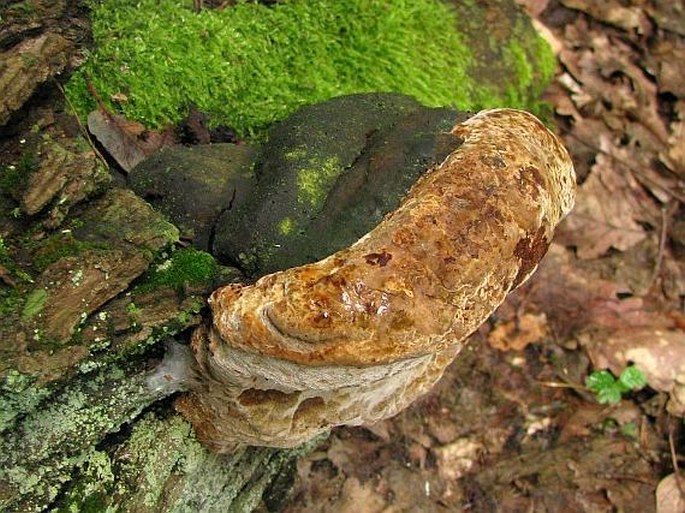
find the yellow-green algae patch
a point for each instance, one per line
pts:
(296, 154)
(315, 180)
(286, 226)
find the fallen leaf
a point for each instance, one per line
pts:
(610, 83)
(128, 142)
(119, 97)
(517, 334)
(605, 214)
(6, 276)
(669, 498)
(575, 298)
(674, 156)
(581, 421)
(658, 352)
(534, 8)
(612, 313)
(612, 12)
(357, 497)
(666, 58)
(456, 459)
(667, 15)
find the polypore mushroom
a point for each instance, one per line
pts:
(357, 336)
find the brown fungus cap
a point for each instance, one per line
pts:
(357, 336)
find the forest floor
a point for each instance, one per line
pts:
(512, 426)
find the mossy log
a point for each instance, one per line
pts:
(84, 309)
(93, 279)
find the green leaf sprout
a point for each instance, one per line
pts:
(609, 390)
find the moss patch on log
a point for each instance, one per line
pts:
(251, 64)
(183, 268)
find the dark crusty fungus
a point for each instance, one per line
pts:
(357, 336)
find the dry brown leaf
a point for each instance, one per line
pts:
(517, 334)
(6, 276)
(590, 414)
(456, 459)
(617, 314)
(630, 130)
(609, 83)
(657, 351)
(561, 291)
(575, 299)
(666, 58)
(668, 15)
(581, 422)
(629, 91)
(674, 156)
(629, 18)
(669, 499)
(636, 155)
(357, 497)
(673, 278)
(119, 97)
(605, 214)
(128, 142)
(533, 7)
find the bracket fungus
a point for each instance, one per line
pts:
(356, 337)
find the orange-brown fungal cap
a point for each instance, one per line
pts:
(432, 271)
(357, 336)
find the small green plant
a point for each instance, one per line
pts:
(609, 389)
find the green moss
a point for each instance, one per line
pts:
(296, 154)
(10, 301)
(35, 302)
(12, 298)
(14, 176)
(58, 246)
(5, 259)
(252, 64)
(512, 65)
(533, 63)
(184, 267)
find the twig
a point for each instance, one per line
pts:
(558, 384)
(627, 477)
(674, 460)
(93, 92)
(83, 129)
(666, 212)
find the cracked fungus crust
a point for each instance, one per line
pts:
(357, 336)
